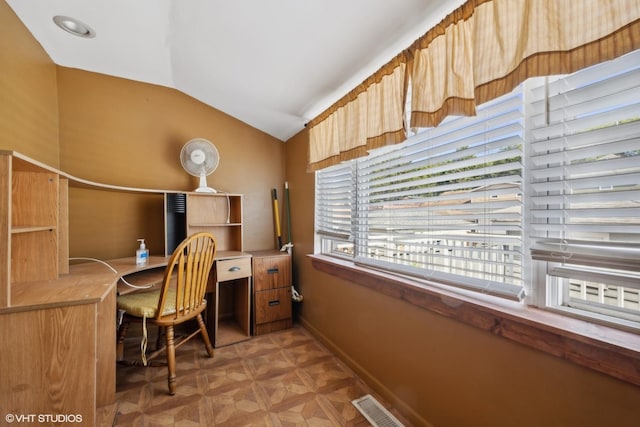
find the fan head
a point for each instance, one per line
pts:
(199, 157)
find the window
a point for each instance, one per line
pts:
(536, 198)
(585, 189)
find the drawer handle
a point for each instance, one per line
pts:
(234, 269)
(272, 270)
(274, 302)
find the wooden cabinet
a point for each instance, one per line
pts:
(59, 359)
(272, 291)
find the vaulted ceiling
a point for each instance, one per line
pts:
(273, 64)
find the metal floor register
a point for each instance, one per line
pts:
(375, 413)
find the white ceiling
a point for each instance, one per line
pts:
(273, 64)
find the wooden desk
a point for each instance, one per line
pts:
(57, 322)
(146, 279)
(59, 339)
(229, 294)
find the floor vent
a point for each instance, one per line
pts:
(375, 413)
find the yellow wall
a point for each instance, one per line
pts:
(440, 371)
(28, 93)
(128, 133)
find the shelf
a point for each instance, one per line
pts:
(214, 224)
(229, 332)
(34, 256)
(32, 229)
(220, 214)
(34, 245)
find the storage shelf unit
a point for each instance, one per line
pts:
(229, 294)
(33, 257)
(219, 213)
(32, 217)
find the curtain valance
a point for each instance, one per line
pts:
(370, 116)
(480, 51)
(487, 47)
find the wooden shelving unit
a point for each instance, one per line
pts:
(42, 307)
(229, 295)
(32, 217)
(219, 213)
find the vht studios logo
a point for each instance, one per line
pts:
(43, 418)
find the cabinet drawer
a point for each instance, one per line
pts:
(273, 305)
(271, 272)
(230, 269)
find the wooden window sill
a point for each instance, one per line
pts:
(607, 350)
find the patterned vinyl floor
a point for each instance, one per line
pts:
(286, 378)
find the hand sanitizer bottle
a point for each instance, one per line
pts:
(142, 254)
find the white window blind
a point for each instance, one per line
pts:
(446, 205)
(585, 190)
(334, 189)
(585, 175)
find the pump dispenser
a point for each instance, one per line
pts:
(142, 254)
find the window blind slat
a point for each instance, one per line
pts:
(615, 255)
(618, 149)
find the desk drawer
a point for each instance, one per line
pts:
(273, 305)
(230, 269)
(271, 272)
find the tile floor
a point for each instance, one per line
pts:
(286, 378)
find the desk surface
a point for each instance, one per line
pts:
(86, 283)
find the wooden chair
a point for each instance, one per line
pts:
(180, 299)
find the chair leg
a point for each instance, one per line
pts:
(122, 332)
(171, 360)
(205, 336)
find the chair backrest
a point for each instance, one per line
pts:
(186, 276)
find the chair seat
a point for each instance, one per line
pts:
(145, 304)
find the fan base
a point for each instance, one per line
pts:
(205, 190)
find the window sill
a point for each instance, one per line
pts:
(604, 349)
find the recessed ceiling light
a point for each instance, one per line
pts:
(74, 26)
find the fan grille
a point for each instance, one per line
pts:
(205, 160)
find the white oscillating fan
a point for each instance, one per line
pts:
(200, 158)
